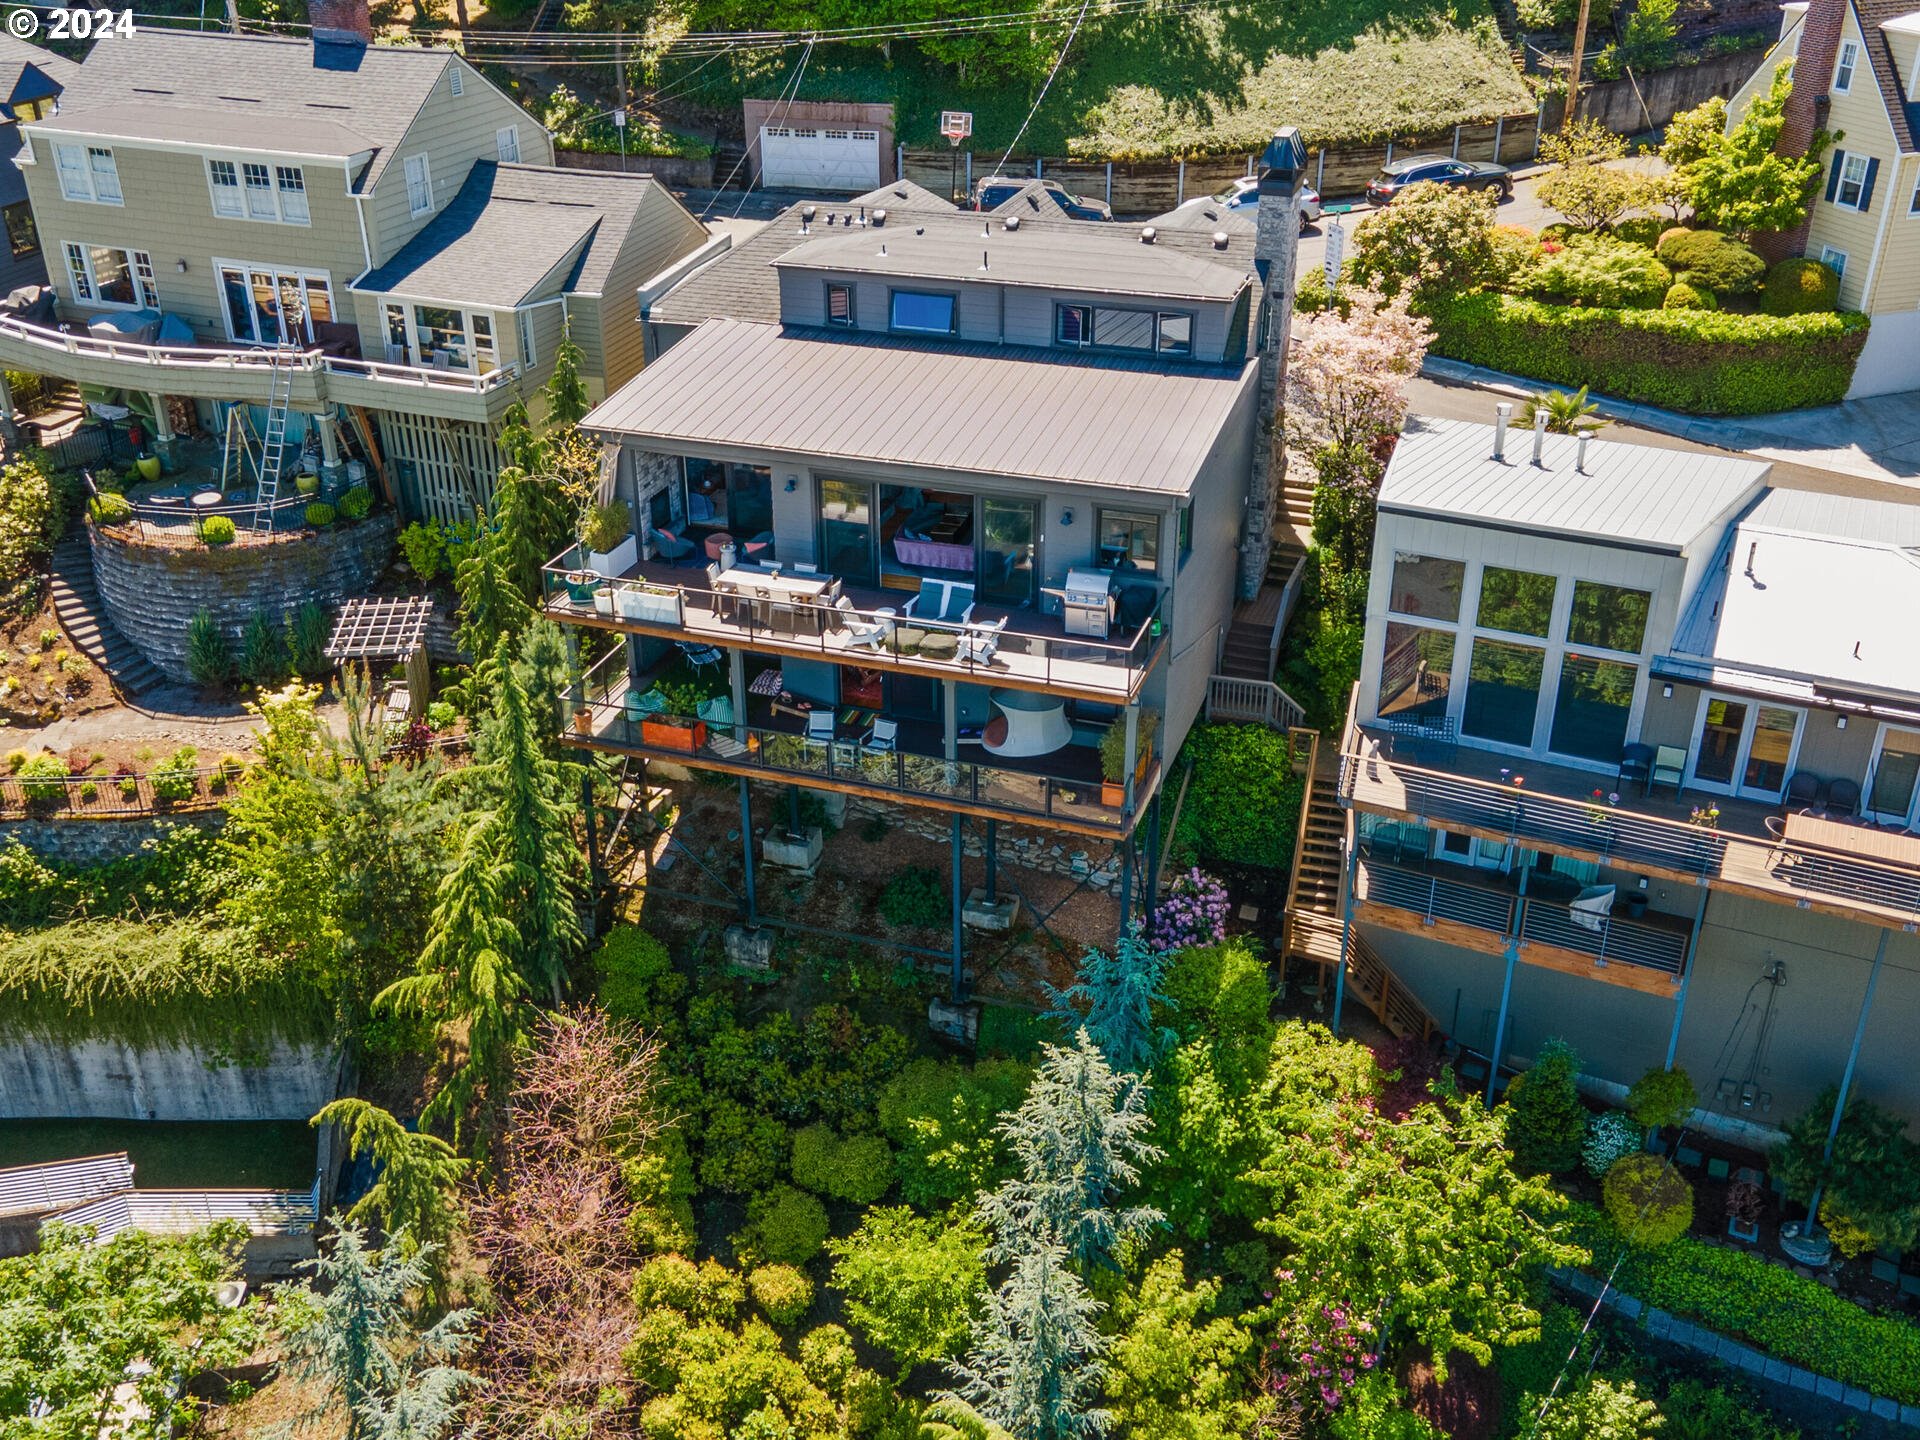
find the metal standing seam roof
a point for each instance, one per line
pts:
(1628, 494)
(972, 409)
(230, 84)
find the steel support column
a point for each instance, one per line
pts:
(1686, 976)
(1346, 933)
(1151, 898)
(1506, 983)
(1846, 1076)
(746, 850)
(993, 860)
(1126, 883)
(959, 849)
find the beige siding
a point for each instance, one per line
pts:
(452, 132)
(168, 212)
(661, 233)
(1896, 284)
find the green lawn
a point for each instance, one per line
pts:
(184, 1155)
(1216, 81)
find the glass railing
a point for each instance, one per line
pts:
(607, 712)
(793, 612)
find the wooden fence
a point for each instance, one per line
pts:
(1149, 187)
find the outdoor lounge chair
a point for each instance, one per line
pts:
(1669, 768)
(1591, 907)
(1636, 763)
(820, 725)
(699, 656)
(861, 630)
(943, 600)
(978, 642)
(671, 547)
(882, 739)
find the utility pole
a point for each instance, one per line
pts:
(1573, 75)
(233, 17)
(620, 79)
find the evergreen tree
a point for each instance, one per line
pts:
(1113, 997)
(533, 527)
(491, 606)
(1077, 1139)
(418, 1176)
(520, 448)
(541, 668)
(1545, 1120)
(350, 1336)
(566, 392)
(1035, 1366)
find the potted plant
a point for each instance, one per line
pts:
(1745, 1201)
(148, 466)
(603, 599)
(307, 482)
(1113, 756)
(580, 586)
(653, 604)
(608, 538)
(583, 720)
(673, 732)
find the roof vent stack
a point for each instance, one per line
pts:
(1580, 451)
(806, 219)
(1753, 553)
(880, 217)
(1219, 239)
(1539, 437)
(1013, 223)
(983, 261)
(1501, 413)
(1148, 234)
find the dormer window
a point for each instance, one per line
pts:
(922, 312)
(1103, 327)
(840, 305)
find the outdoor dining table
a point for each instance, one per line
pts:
(799, 594)
(1868, 842)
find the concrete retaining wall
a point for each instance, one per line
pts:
(94, 842)
(667, 169)
(107, 1079)
(152, 591)
(1635, 104)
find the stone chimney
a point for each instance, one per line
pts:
(340, 22)
(1283, 171)
(1820, 31)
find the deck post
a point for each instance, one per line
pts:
(1153, 857)
(1346, 933)
(746, 851)
(1506, 983)
(993, 860)
(1132, 751)
(1126, 884)
(1846, 1076)
(737, 687)
(1686, 976)
(959, 978)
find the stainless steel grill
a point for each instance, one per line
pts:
(1086, 602)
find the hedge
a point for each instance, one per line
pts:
(1741, 1295)
(1695, 361)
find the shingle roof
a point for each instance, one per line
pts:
(234, 82)
(1902, 111)
(305, 135)
(743, 284)
(510, 227)
(904, 194)
(1627, 494)
(971, 409)
(29, 72)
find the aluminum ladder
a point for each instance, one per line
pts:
(273, 444)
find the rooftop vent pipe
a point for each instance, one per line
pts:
(806, 218)
(1219, 239)
(1580, 452)
(1013, 222)
(880, 217)
(1501, 413)
(1539, 437)
(1148, 235)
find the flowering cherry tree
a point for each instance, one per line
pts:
(1347, 374)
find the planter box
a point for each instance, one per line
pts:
(652, 607)
(616, 561)
(603, 599)
(665, 735)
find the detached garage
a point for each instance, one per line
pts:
(827, 145)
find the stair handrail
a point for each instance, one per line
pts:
(1312, 738)
(1289, 597)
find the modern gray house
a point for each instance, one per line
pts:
(950, 498)
(380, 222)
(1634, 759)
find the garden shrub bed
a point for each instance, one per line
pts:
(1743, 1296)
(1698, 362)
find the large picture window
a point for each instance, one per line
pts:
(1516, 601)
(1427, 587)
(1591, 710)
(108, 275)
(1608, 617)
(1416, 674)
(1503, 692)
(922, 312)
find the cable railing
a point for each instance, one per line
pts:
(783, 617)
(1628, 839)
(608, 712)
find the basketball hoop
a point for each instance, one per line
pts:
(956, 125)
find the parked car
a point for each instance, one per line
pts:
(1396, 175)
(1243, 197)
(996, 190)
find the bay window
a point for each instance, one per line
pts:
(445, 337)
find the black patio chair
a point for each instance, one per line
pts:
(1843, 798)
(1636, 763)
(1804, 791)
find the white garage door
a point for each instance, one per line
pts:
(797, 157)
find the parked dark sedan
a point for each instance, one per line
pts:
(1396, 175)
(996, 190)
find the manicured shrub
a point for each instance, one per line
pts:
(209, 656)
(217, 530)
(108, 509)
(1648, 1201)
(706, 1291)
(1683, 296)
(174, 778)
(1710, 259)
(742, 1151)
(1221, 994)
(827, 1355)
(1513, 249)
(1672, 232)
(943, 1116)
(1545, 1119)
(42, 777)
(857, 1169)
(425, 546)
(783, 1293)
(785, 1226)
(1611, 1137)
(357, 503)
(1641, 230)
(1243, 803)
(636, 979)
(263, 651)
(1694, 361)
(913, 898)
(1662, 1097)
(1799, 286)
(1597, 270)
(1194, 912)
(319, 514)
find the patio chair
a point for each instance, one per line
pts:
(950, 601)
(801, 568)
(699, 656)
(978, 642)
(1804, 791)
(872, 633)
(882, 739)
(1669, 768)
(820, 725)
(671, 547)
(1843, 798)
(1591, 907)
(1636, 763)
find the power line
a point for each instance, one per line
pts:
(1034, 109)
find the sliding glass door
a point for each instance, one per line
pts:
(1742, 747)
(1009, 530)
(846, 531)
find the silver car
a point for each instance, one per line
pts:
(1243, 197)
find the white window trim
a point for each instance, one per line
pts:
(1828, 253)
(1847, 63)
(417, 352)
(86, 176)
(505, 138)
(523, 327)
(1744, 749)
(426, 176)
(146, 288)
(1913, 204)
(1873, 765)
(275, 189)
(247, 268)
(1846, 170)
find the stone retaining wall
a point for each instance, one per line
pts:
(152, 591)
(95, 842)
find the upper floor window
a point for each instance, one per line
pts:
(506, 143)
(23, 237)
(419, 185)
(87, 172)
(1426, 586)
(1608, 617)
(923, 313)
(528, 356)
(1516, 601)
(840, 305)
(1168, 333)
(108, 275)
(1850, 181)
(1913, 205)
(1843, 70)
(1130, 537)
(257, 190)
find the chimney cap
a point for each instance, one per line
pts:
(1286, 151)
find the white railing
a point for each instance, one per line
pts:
(36, 1189)
(1232, 699)
(212, 357)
